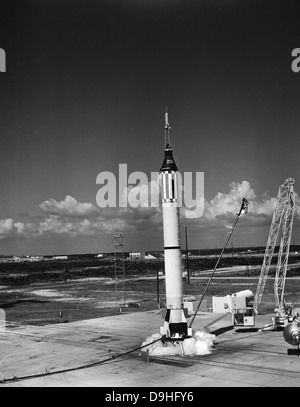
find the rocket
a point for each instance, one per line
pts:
(175, 325)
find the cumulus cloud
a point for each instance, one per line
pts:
(148, 194)
(143, 194)
(71, 218)
(9, 229)
(224, 206)
(72, 227)
(297, 207)
(228, 203)
(68, 207)
(195, 212)
(6, 227)
(220, 212)
(27, 229)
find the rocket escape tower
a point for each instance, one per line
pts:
(169, 163)
(175, 325)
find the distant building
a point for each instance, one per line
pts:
(149, 257)
(137, 256)
(36, 258)
(141, 256)
(60, 258)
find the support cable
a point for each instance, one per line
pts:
(72, 369)
(243, 210)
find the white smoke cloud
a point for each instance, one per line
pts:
(201, 343)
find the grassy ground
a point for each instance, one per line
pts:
(45, 293)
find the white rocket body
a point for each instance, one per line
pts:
(172, 249)
(175, 326)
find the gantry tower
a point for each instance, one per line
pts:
(282, 223)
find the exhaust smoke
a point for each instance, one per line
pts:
(200, 344)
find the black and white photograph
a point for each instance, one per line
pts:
(149, 185)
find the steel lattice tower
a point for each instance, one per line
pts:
(282, 217)
(119, 260)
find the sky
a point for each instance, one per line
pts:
(85, 92)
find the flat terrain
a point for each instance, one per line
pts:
(40, 294)
(86, 327)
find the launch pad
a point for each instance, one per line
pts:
(105, 352)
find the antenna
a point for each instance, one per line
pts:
(167, 132)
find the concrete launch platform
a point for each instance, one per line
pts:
(105, 352)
